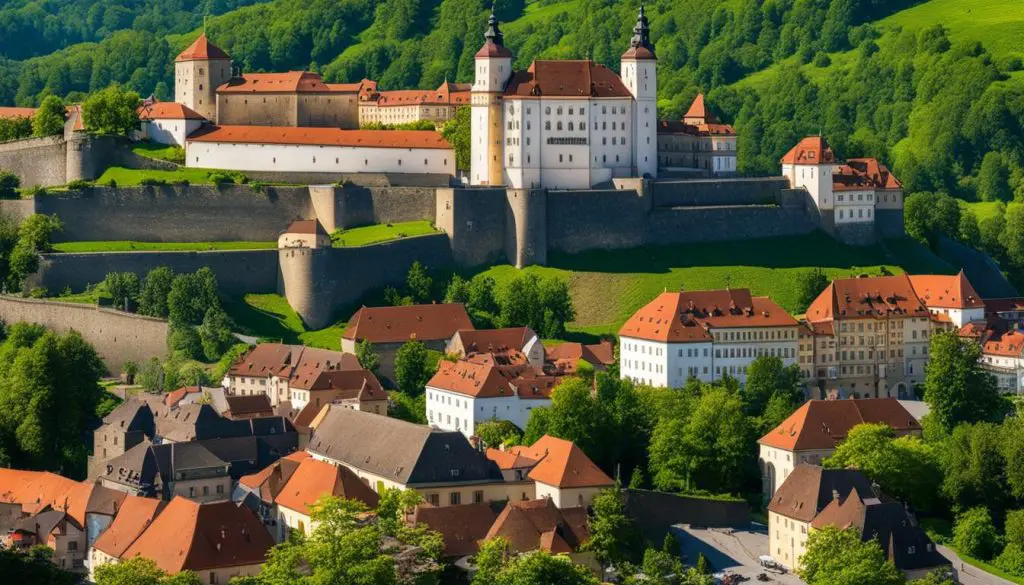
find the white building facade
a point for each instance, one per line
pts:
(705, 335)
(563, 124)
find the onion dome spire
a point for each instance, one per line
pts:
(641, 32)
(494, 34)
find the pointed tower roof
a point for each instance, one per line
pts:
(813, 150)
(202, 50)
(494, 41)
(640, 46)
(699, 111)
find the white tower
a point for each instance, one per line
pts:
(810, 165)
(493, 69)
(198, 71)
(639, 73)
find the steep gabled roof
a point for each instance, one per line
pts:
(168, 111)
(946, 292)
(269, 481)
(315, 478)
(202, 50)
(192, 536)
(400, 324)
(562, 464)
(540, 525)
(135, 515)
(822, 424)
(566, 78)
(876, 297)
(681, 317)
(813, 150)
(486, 340)
(462, 527)
(810, 488)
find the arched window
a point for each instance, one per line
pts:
(547, 125)
(570, 126)
(547, 110)
(559, 125)
(559, 111)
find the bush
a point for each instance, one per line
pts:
(49, 118)
(219, 178)
(9, 183)
(152, 182)
(1015, 528)
(79, 185)
(974, 534)
(257, 186)
(36, 191)
(184, 341)
(1011, 560)
(822, 59)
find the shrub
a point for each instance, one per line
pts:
(152, 182)
(79, 185)
(184, 341)
(822, 59)
(1015, 528)
(9, 183)
(112, 183)
(257, 186)
(1011, 560)
(36, 191)
(974, 535)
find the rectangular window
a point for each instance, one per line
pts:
(455, 498)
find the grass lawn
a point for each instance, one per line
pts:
(129, 246)
(609, 286)
(130, 177)
(915, 258)
(169, 153)
(269, 316)
(984, 209)
(998, 24)
(372, 234)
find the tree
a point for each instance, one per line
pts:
(969, 232)
(141, 571)
(810, 284)
(1012, 237)
(368, 358)
(191, 296)
(766, 377)
(15, 128)
(840, 557)
(956, 387)
(457, 290)
(544, 305)
(481, 294)
(994, 179)
(184, 341)
(974, 468)
(614, 538)
(538, 567)
(155, 289)
(122, 287)
(905, 467)
(928, 216)
(49, 118)
(412, 371)
(708, 451)
(9, 183)
(457, 132)
(493, 555)
(111, 111)
(18, 567)
(1012, 452)
(215, 333)
(936, 577)
(418, 283)
(990, 231)
(975, 535)
(151, 376)
(495, 433)
(1014, 528)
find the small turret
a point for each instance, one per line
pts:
(494, 40)
(640, 46)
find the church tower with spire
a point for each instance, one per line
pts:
(493, 69)
(198, 71)
(639, 72)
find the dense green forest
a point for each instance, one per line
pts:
(931, 100)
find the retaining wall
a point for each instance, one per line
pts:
(603, 219)
(475, 221)
(238, 271)
(710, 192)
(714, 224)
(654, 512)
(36, 161)
(118, 337)
(372, 205)
(322, 283)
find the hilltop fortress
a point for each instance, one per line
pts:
(541, 182)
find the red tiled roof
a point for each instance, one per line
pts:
(400, 324)
(566, 78)
(321, 137)
(269, 481)
(822, 424)
(347, 384)
(13, 112)
(460, 526)
(683, 317)
(563, 464)
(1008, 344)
(35, 490)
(534, 524)
(877, 297)
(946, 292)
(288, 82)
(173, 398)
(472, 378)
(134, 516)
(863, 173)
(601, 353)
(489, 340)
(509, 460)
(813, 150)
(492, 49)
(638, 53)
(306, 226)
(698, 109)
(315, 478)
(192, 536)
(202, 49)
(447, 94)
(168, 111)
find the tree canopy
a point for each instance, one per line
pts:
(840, 557)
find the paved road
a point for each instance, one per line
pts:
(970, 575)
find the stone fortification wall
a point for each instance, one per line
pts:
(526, 227)
(187, 213)
(475, 220)
(713, 224)
(117, 336)
(238, 271)
(603, 219)
(714, 192)
(321, 283)
(17, 209)
(357, 206)
(36, 161)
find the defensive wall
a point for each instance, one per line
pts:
(117, 336)
(58, 160)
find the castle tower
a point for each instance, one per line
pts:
(810, 165)
(198, 71)
(639, 73)
(493, 69)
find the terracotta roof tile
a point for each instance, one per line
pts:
(134, 516)
(687, 316)
(813, 150)
(400, 324)
(566, 78)
(267, 483)
(563, 464)
(202, 49)
(809, 489)
(487, 340)
(320, 137)
(192, 536)
(946, 292)
(314, 479)
(1006, 344)
(462, 527)
(168, 111)
(447, 94)
(289, 82)
(509, 460)
(525, 524)
(822, 424)
(13, 112)
(877, 297)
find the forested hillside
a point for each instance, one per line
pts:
(931, 87)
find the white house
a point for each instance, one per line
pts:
(168, 122)
(704, 335)
(563, 124)
(320, 150)
(486, 387)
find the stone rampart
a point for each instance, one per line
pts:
(714, 224)
(17, 209)
(475, 220)
(603, 219)
(711, 192)
(238, 271)
(117, 336)
(357, 206)
(36, 161)
(889, 223)
(321, 284)
(180, 213)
